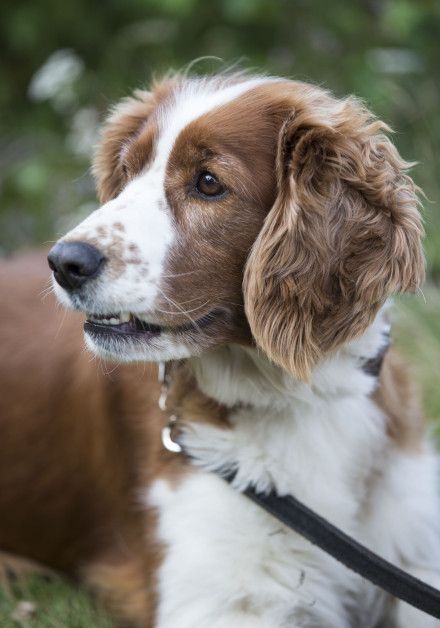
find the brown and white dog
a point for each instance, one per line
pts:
(251, 231)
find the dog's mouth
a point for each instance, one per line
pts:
(129, 325)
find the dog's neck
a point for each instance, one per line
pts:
(237, 410)
(234, 375)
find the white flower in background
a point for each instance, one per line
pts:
(394, 60)
(55, 79)
(84, 133)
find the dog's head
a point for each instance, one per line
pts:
(240, 210)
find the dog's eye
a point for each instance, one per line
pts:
(208, 185)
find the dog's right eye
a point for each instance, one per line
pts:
(209, 186)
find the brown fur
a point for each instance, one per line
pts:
(73, 443)
(189, 403)
(397, 396)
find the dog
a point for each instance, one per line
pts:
(251, 232)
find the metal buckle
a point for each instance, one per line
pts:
(167, 440)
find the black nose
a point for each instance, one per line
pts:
(74, 263)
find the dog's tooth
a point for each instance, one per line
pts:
(102, 319)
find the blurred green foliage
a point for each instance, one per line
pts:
(64, 63)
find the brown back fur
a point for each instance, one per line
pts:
(73, 445)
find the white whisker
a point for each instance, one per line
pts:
(186, 312)
(46, 292)
(176, 305)
(61, 323)
(190, 272)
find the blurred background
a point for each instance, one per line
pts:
(62, 65)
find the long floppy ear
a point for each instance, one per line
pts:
(344, 233)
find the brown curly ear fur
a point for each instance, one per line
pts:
(343, 234)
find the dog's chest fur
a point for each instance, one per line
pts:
(224, 550)
(227, 563)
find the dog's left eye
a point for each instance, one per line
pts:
(208, 185)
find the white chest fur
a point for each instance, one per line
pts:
(227, 563)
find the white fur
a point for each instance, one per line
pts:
(235, 375)
(229, 564)
(160, 349)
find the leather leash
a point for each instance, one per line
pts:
(298, 517)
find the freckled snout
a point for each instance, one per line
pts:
(75, 263)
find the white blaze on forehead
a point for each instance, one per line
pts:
(195, 99)
(142, 209)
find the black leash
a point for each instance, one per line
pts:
(301, 519)
(298, 517)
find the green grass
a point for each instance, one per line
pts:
(57, 604)
(417, 334)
